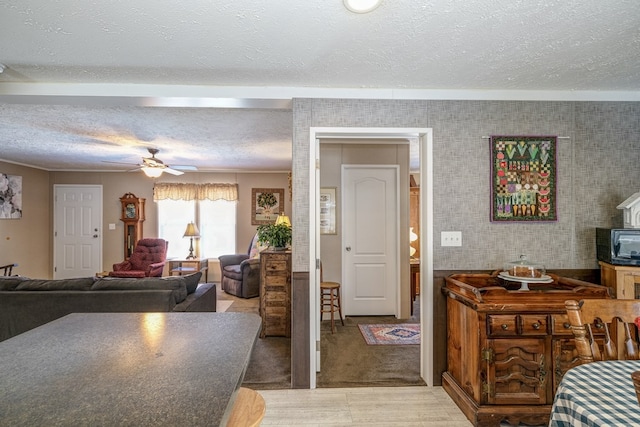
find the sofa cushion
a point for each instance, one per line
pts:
(177, 285)
(9, 283)
(75, 284)
(191, 280)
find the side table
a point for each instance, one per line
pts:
(623, 280)
(181, 267)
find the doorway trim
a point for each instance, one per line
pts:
(425, 144)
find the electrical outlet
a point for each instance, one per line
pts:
(451, 238)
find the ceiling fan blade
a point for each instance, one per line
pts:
(172, 171)
(120, 163)
(184, 168)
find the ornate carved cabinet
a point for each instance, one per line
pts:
(133, 216)
(507, 349)
(275, 293)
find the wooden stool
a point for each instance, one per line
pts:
(330, 301)
(248, 409)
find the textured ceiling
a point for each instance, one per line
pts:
(474, 45)
(85, 138)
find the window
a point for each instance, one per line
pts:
(218, 224)
(216, 221)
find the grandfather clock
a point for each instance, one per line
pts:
(132, 216)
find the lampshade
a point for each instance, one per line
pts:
(192, 230)
(412, 235)
(283, 219)
(152, 172)
(412, 238)
(361, 6)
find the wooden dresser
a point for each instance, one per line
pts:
(275, 293)
(508, 349)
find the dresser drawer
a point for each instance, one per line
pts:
(502, 324)
(560, 325)
(276, 265)
(533, 324)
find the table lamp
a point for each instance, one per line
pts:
(191, 232)
(283, 219)
(412, 238)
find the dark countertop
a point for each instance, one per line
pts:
(126, 369)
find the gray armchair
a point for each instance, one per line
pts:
(240, 274)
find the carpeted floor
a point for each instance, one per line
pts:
(270, 364)
(346, 359)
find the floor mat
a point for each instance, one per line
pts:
(222, 306)
(393, 334)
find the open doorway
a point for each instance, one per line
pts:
(425, 314)
(368, 253)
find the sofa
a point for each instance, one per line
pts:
(28, 303)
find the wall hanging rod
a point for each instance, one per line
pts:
(559, 137)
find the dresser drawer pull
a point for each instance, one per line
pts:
(567, 325)
(504, 327)
(536, 326)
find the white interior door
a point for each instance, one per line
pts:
(77, 231)
(370, 211)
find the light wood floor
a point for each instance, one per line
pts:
(366, 406)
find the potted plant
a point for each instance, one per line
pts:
(276, 235)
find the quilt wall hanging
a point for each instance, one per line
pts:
(523, 178)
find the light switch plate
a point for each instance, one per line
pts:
(451, 238)
(112, 226)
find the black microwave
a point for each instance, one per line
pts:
(618, 246)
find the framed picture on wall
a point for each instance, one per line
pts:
(328, 210)
(523, 178)
(10, 196)
(266, 205)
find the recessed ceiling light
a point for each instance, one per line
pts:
(361, 6)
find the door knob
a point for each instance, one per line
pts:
(348, 248)
(95, 236)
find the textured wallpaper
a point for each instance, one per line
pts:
(598, 165)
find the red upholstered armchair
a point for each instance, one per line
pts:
(147, 260)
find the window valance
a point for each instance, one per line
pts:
(182, 191)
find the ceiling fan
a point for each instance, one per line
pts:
(154, 167)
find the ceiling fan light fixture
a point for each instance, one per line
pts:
(152, 172)
(361, 6)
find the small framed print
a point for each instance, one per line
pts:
(328, 210)
(266, 205)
